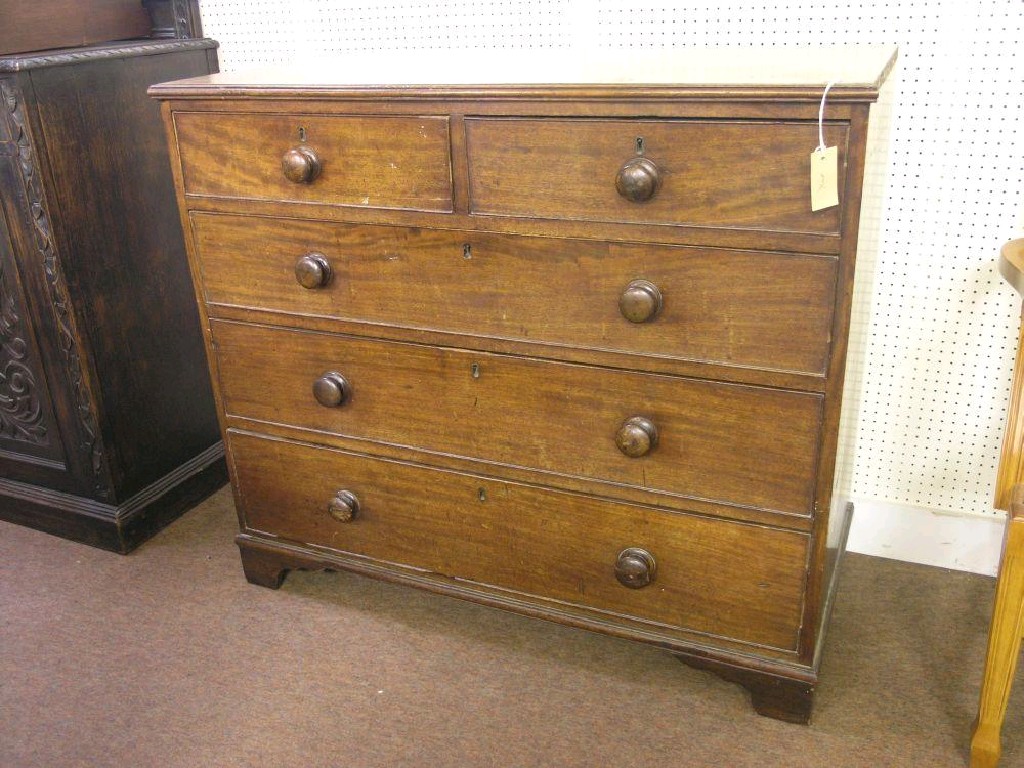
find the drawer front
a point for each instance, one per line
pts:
(757, 309)
(370, 162)
(721, 442)
(710, 576)
(746, 174)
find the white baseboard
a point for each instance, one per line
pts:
(962, 542)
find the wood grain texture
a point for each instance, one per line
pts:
(125, 261)
(1007, 625)
(829, 524)
(627, 103)
(86, 201)
(40, 24)
(1004, 641)
(586, 355)
(744, 445)
(1011, 457)
(1011, 264)
(587, 486)
(730, 174)
(32, 219)
(740, 308)
(713, 577)
(27, 424)
(375, 161)
(667, 234)
(780, 74)
(488, 364)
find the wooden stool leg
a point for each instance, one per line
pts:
(1003, 647)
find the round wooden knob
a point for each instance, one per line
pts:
(636, 437)
(640, 302)
(343, 507)
(638, 180)
(635, 568)
(332, 389)
(301, 165)
(313, 271)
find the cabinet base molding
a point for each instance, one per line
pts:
(777, 690)
(115, 527)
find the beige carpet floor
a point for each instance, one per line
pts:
(167, 657)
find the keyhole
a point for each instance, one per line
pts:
(639, 145)
(302, 133)
(467, 251)
(481, 494)
(474, 369)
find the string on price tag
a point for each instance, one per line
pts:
(824, 165)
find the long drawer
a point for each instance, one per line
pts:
(363, 161)
(714, 173)
(744, 308)
(730, 443)
(714, 577)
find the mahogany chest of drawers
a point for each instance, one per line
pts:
(574, 350)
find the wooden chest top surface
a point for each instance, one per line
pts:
(857, 71)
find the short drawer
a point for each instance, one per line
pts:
(743, 308)
(729, 443)
(714, 577)
(364, 161)
(709, 173)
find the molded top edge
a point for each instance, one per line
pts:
(749, 72)
(123, 49)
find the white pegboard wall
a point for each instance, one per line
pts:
(936, 365)
(266, 32)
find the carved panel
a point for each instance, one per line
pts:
(21, 412)
(59, 299)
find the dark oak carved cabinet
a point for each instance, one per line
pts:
(107, 423)
(574, 350)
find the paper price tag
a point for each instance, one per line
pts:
(824, 178)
